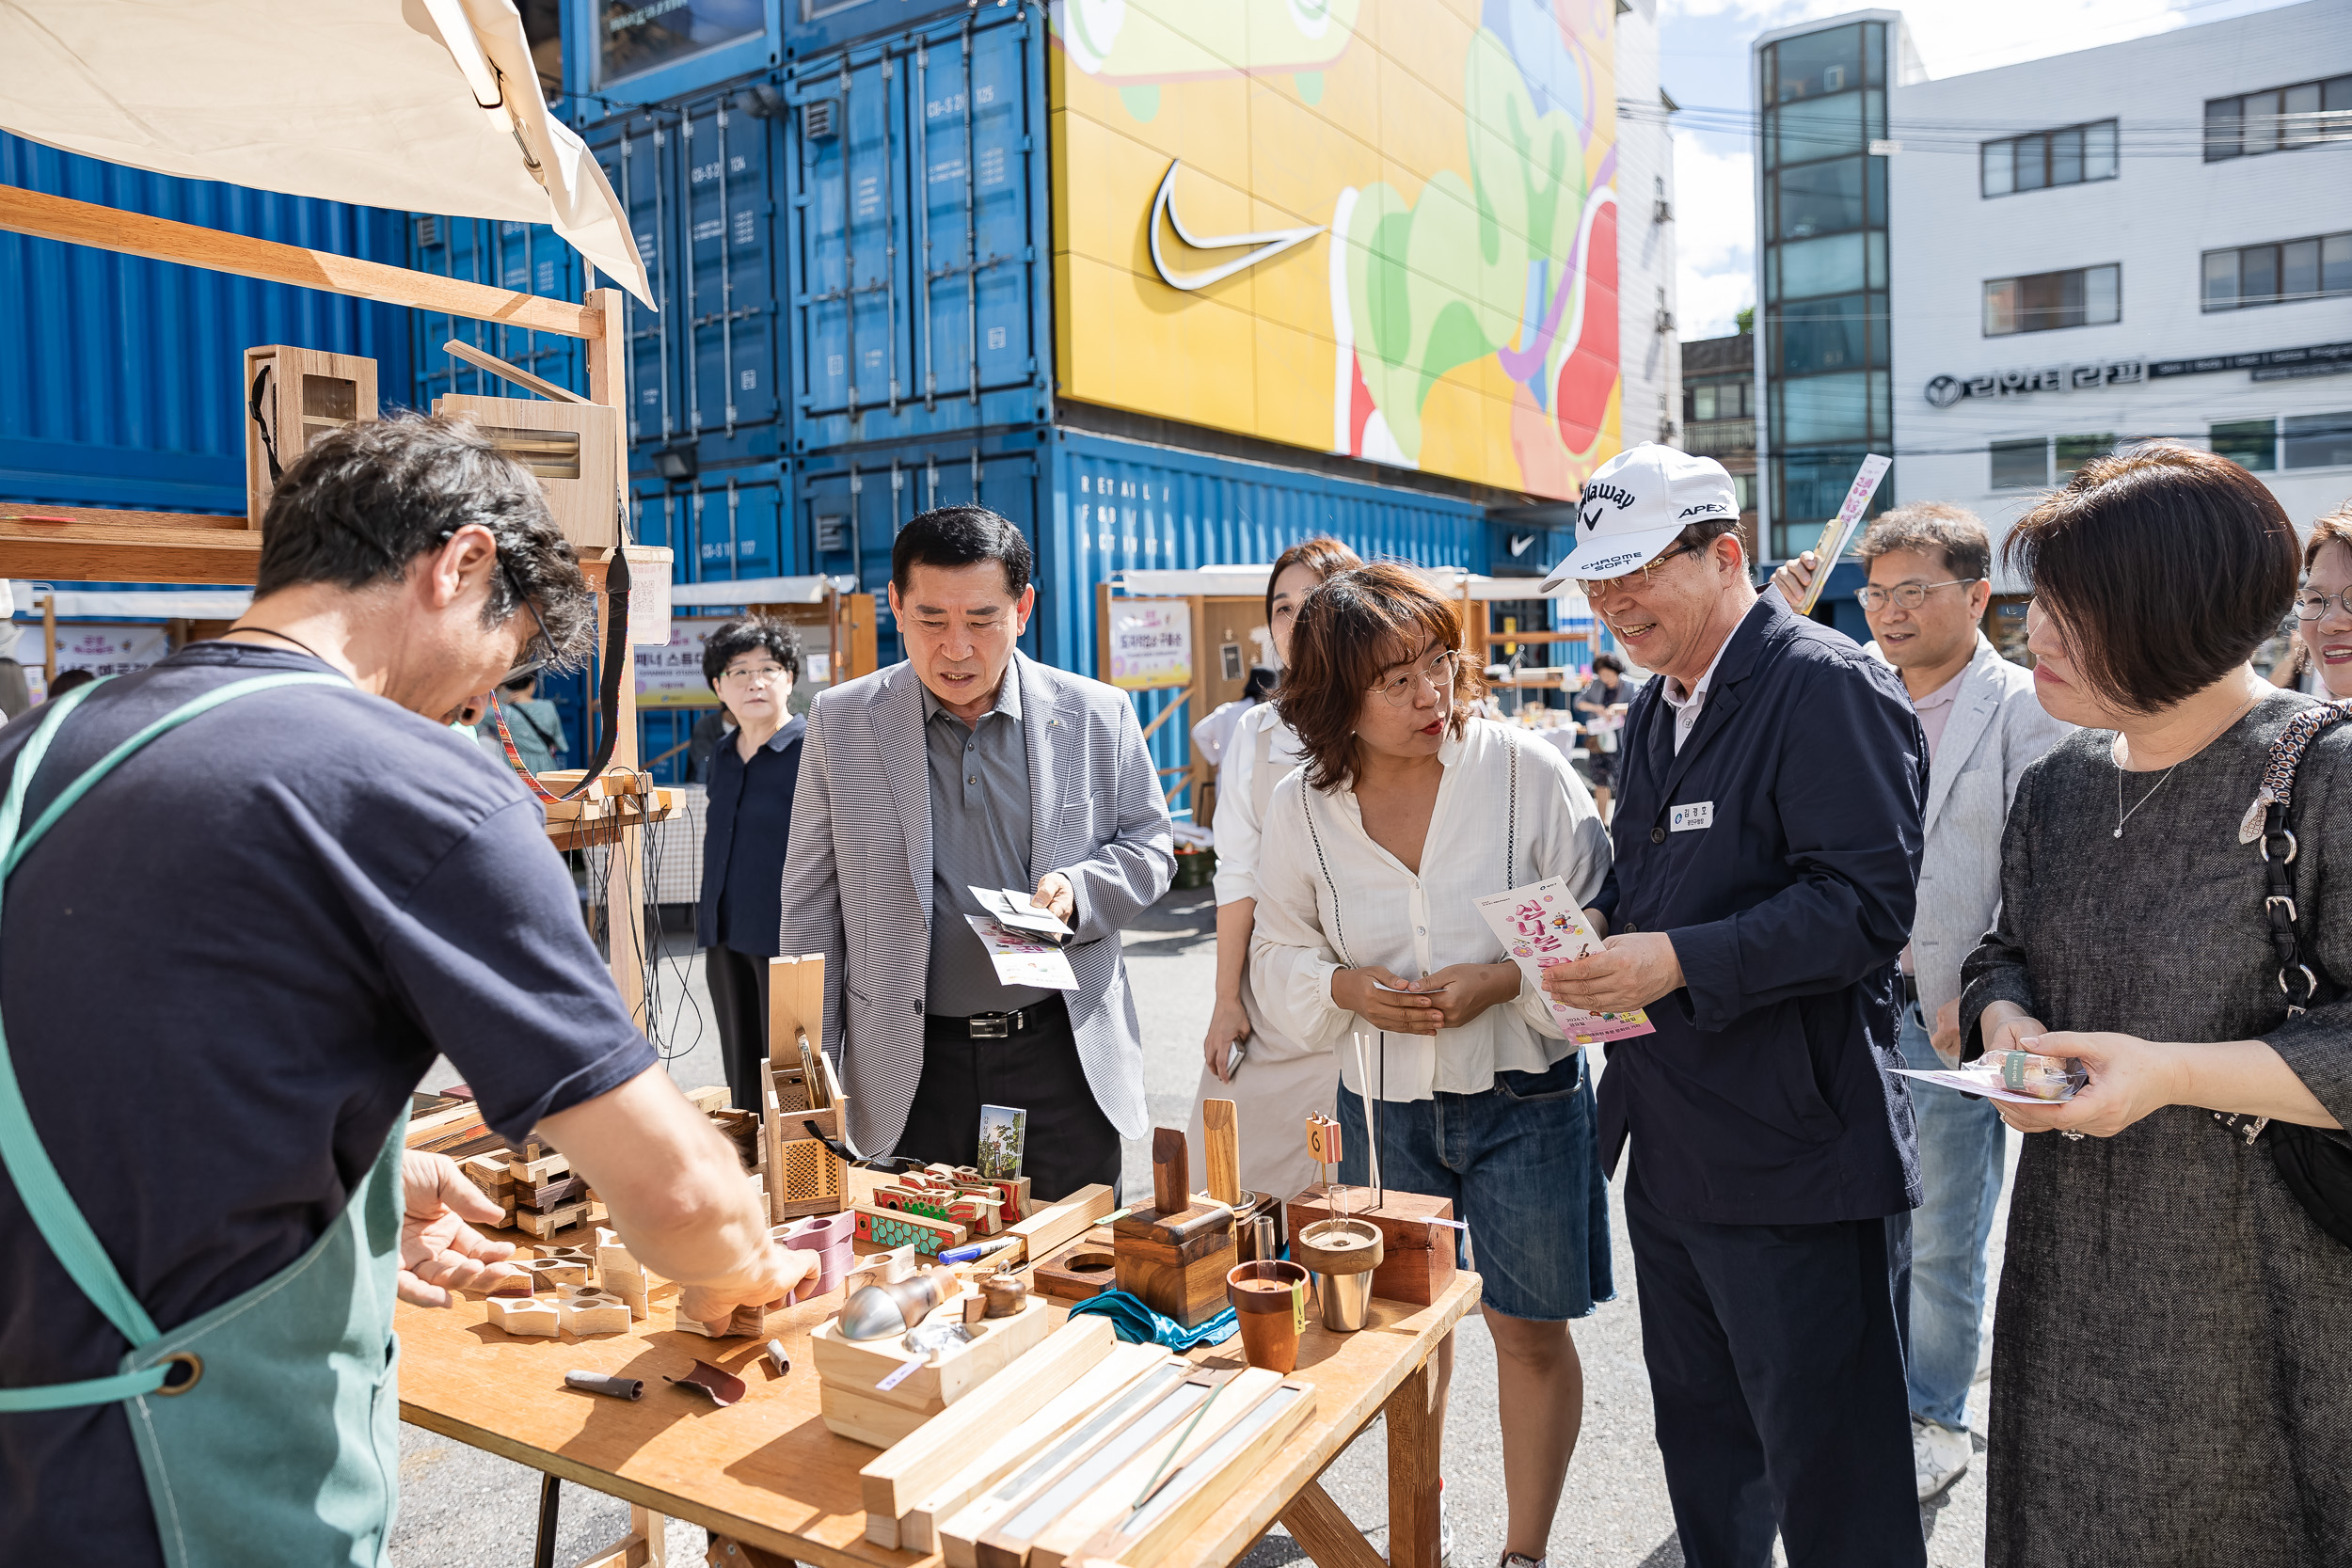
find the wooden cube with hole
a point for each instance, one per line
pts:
(293, 396)
(568, 445)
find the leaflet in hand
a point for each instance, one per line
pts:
(1542, 924)
(1010, 908)
(1021, 959)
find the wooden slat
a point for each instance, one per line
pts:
(128, 552)
(57, 217)
(28, 511)
(1413, 1483)
(1324, 1532)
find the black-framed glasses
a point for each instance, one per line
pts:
(539, 637)
(2317, 607)
(1594, 587)
(1401, 689)
(1910, 596)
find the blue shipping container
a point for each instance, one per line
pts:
(123, 385)
(915, 251)
(522, 256)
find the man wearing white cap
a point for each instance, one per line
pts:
(1771, 785)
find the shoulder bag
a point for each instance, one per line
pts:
(2314, 1162)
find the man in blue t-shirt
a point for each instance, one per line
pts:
(225, 967)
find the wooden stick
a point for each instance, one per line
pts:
(57, 217)
(515, 374)
(1165, 715)
(1171, 1171)
(1221, 1141)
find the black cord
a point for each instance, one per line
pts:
(271, 631)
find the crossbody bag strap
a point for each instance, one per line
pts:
(53, 1209)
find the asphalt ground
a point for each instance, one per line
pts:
(461, 1507)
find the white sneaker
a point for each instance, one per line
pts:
(1939, 1456)
(1445, 1528)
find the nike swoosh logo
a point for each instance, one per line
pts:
(1269, 242)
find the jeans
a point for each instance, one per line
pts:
(1521, 1164)
(1961, 1150)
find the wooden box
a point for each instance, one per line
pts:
(1417, 1263)
(857, 1366)
(802, 1103)
(568, 445)
(1176, 1263)
(1086, 1268)
(303, 395)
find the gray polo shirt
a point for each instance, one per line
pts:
(979, 783)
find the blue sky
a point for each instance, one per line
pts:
(1705, 66)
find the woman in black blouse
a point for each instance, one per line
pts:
(752, 664)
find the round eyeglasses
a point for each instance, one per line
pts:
(1910, 596)
(2316, 606)
(1403, 688)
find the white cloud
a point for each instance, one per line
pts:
(1714, 236)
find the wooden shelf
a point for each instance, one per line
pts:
(71, 544)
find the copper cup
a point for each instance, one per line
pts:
(1270, 1303)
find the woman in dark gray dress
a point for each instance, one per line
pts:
(2172, 1371)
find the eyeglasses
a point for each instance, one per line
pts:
(1593, 587)
(763, 674)
(531, 664)
(1911, 596)
(1399, 690)
(2315, 607)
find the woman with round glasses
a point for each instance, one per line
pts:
(2172, 1350)
(2323, 607)
(1370, 941)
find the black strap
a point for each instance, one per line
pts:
(617, 668)
(269, 443)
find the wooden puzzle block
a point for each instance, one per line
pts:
(587, 1310)
(549, 1273)
(525, 1314)
(895, 1227)
(534, 1171)
(546, 1224)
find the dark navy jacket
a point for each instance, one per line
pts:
(743, 841)
(1760, 1100)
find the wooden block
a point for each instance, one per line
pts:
(1417, 1260)
(546, 1224)
(1176, 1263)
(549, 1273)
(1084, 1268)
(1171, 1177)
(525, 1314)
(917, 1467)
(1220, 1140)
(891, 1228)
(1122, 1369)
(548, 1197)
(950, 1374)
(1140, 1537)
(307, 394)
(957, 1536)
(866, 1418)
(713, 1097)
(1058, 1224)
(539, 1171)
(569, 447)
(587, 1310)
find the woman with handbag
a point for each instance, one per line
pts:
(2172, 1365)
(1369, 943)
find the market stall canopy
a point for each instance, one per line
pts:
(1251, 583)
(418, 106)
(734, 590)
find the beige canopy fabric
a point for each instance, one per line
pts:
(420, 105)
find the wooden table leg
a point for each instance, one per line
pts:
(646, 1545)
(1326, 1533)
(1413, 1471)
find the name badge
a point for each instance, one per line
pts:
(1689, 818)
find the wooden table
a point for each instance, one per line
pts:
(766, 1471)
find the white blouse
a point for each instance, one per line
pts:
(1328, 897)
(1236, 825)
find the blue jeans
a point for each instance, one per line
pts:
(1522, 1163)
(1960, 1149)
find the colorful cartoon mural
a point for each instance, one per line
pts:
(1383, 227)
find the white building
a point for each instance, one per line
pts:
(2145, 239)
(1650, 354)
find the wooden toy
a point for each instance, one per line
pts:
(549, 1273)
(804, 1175)
(526, 1315)
(585, 1309)
(1083, 1268)
(569, 448)
(953, 1371)
(1058, 1224)
(1175, 1258)
(293, 397)
(1221, 1141)
(899, 1227)
(1418, 1253)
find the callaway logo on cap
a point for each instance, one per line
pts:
(1634, 506)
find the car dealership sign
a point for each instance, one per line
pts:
(2277, 364)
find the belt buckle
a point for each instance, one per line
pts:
(990, 1027)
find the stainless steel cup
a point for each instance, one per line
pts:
(1346, 1300)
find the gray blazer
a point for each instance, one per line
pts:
(1997, 726)
(857, 877)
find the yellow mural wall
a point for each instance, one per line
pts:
(1383, 227)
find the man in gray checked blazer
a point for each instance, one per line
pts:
(972, 766)
(1929, 580)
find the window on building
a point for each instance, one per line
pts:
(2074, 156)
(1817, 64)
(1743, 486)
(1718, 400)
(2045, 301)
(1820, 198)
(1816, 335)
(2075, 451)
(2315, 440)
(2279, 120)
(2248, 443)
(631, 40)
(2021, 465)
(2312, 268)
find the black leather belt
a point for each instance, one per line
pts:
(993, 1026)
(1910, 989)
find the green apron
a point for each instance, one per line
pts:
(268, 1429)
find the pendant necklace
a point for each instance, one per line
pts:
(2121, 816)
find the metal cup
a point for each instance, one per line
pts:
(1346, 1300)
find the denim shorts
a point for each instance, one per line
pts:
(1521, 1162)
